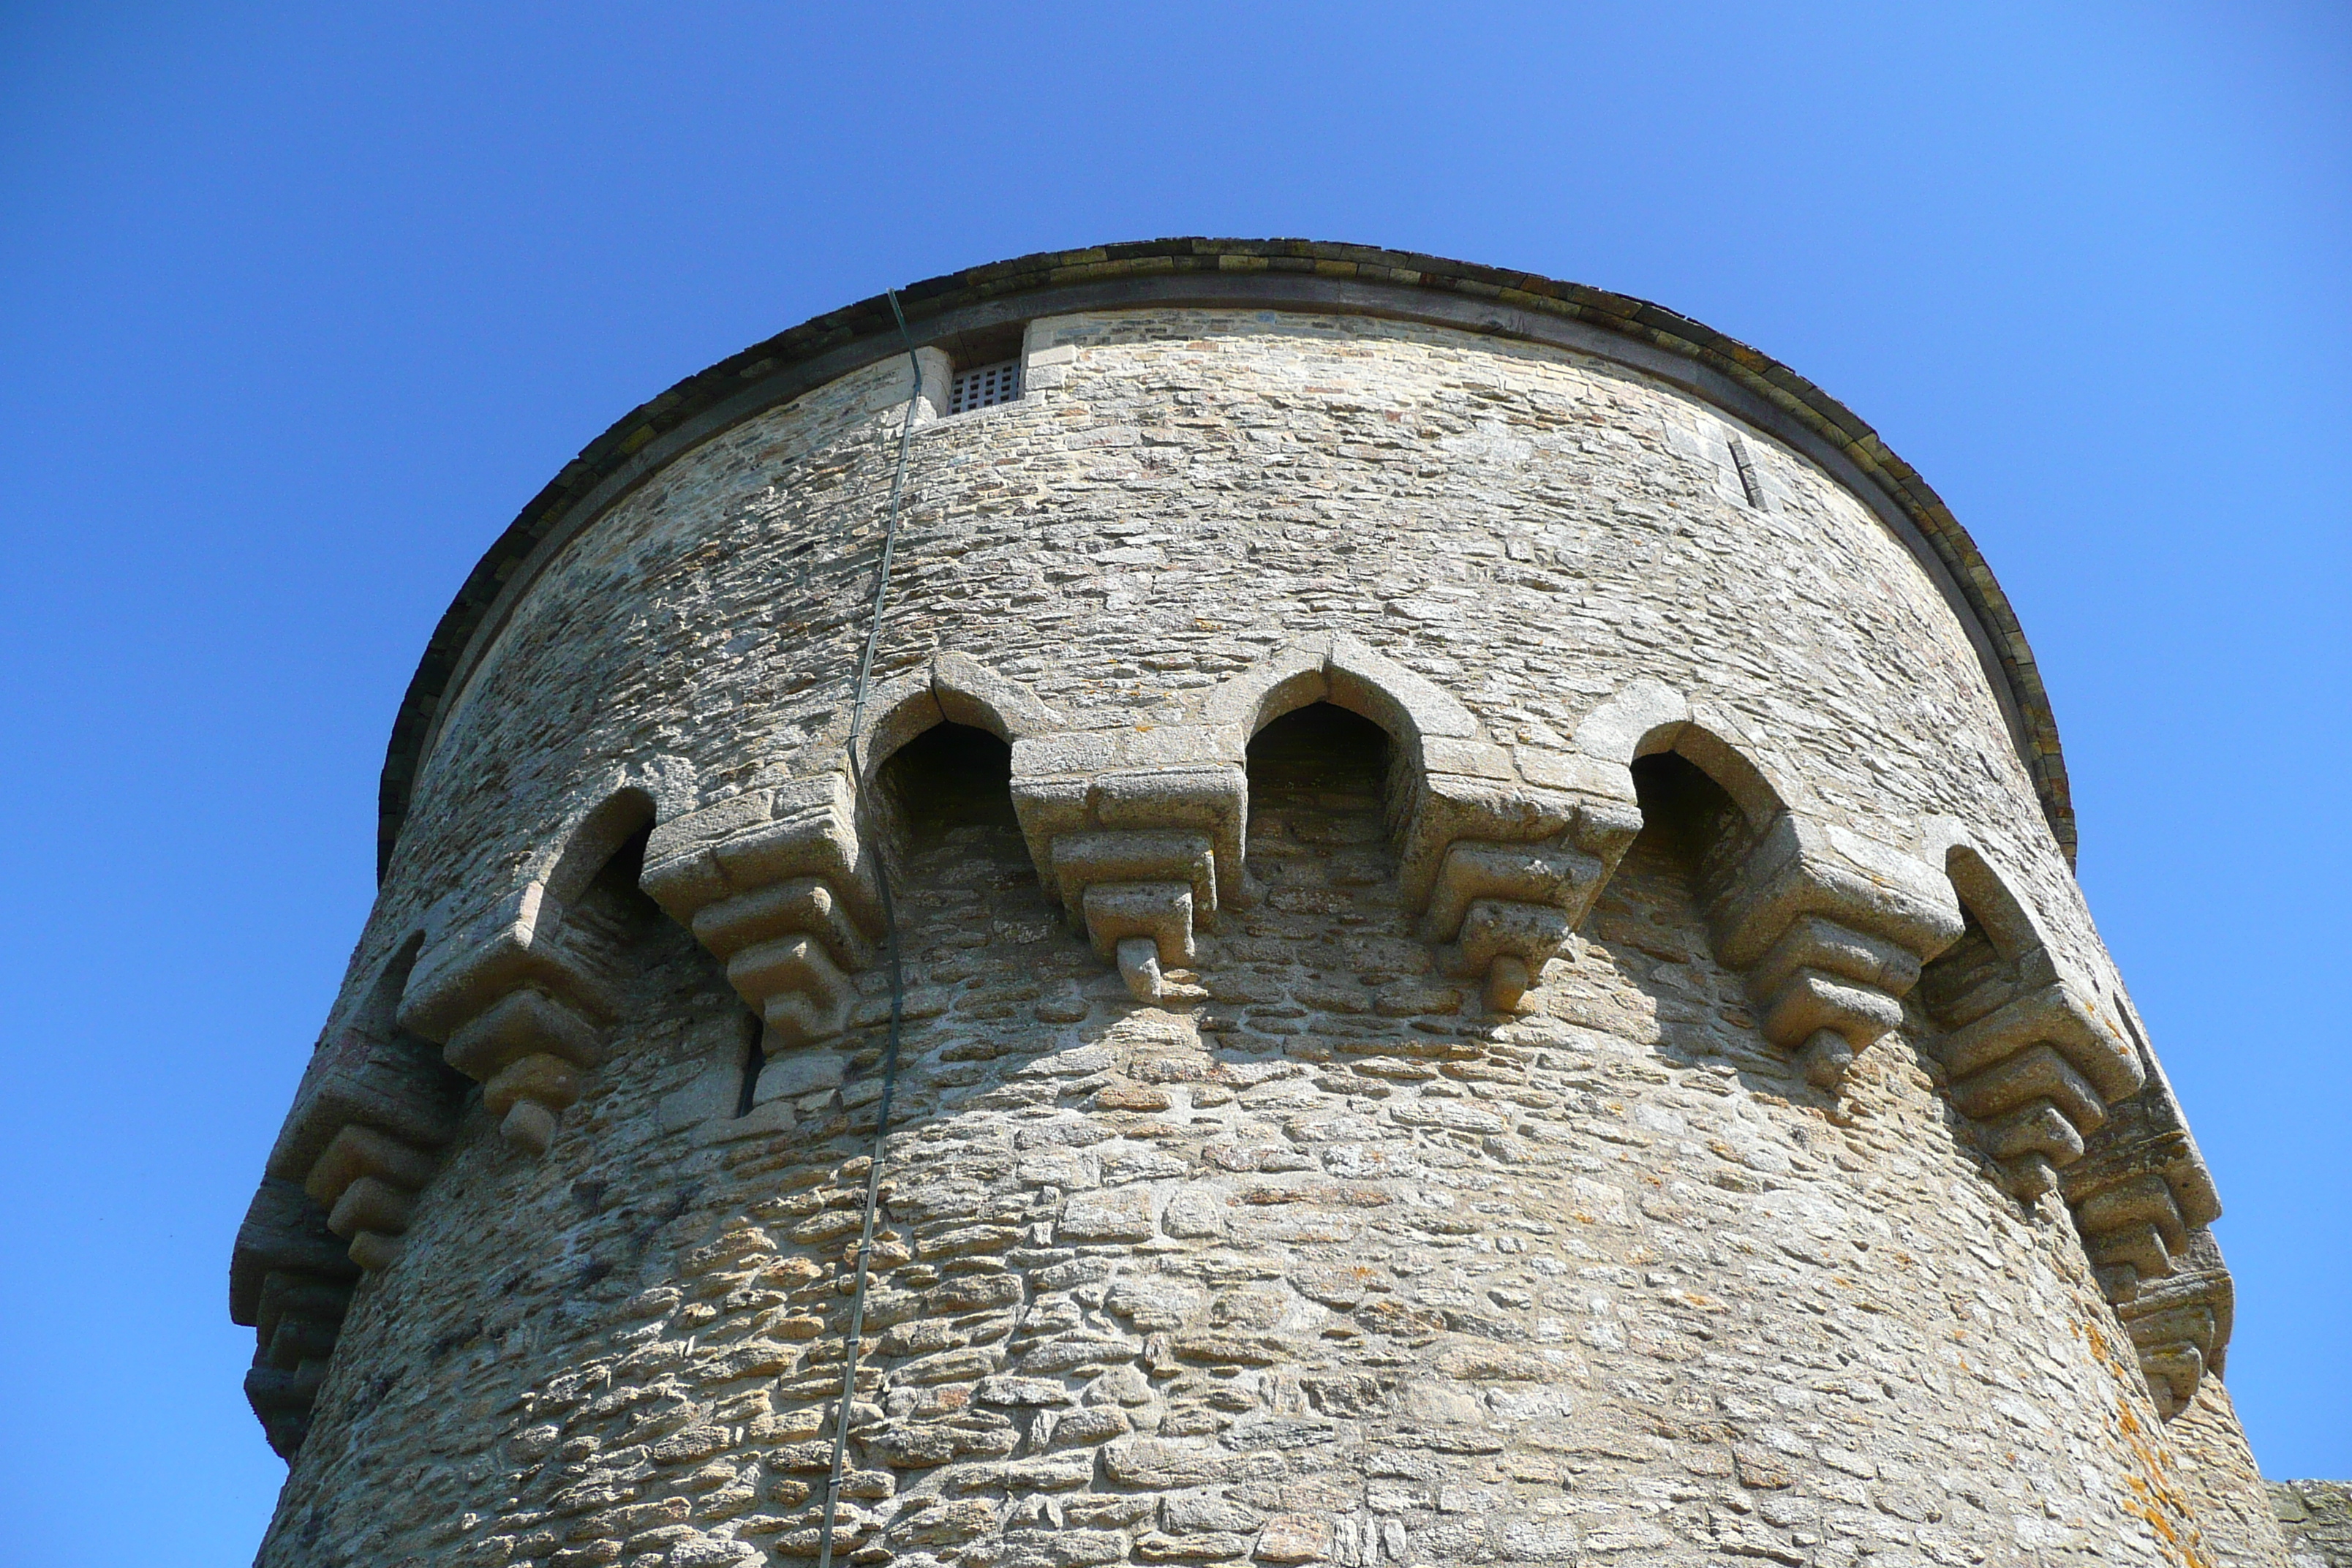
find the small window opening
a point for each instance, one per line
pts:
(984, 385)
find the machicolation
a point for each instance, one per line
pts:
(1473, 888)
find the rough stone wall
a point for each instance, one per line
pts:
(1190, 489)
(2316, 1519)
(1309, 1270)
(2225, 1487)
(1310, 1258)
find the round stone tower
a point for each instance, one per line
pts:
(1458, 893)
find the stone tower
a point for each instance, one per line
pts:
(1474, 882)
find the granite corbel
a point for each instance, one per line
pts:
(291, 1281)
(777, 884)
(366, 1132)
(1831, 929)
(517, 997)
(1138, 836)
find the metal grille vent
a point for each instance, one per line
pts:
(984, 385)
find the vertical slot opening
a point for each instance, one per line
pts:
(1750, 483)
(755, 1059)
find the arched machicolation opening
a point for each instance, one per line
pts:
(1968, 979)
(960, 867)
(650, 967)
(1689, 822)
(951, 782)
(1330, 925)
(1650, 918)
(1322, 758)
(427, 1095)
(615, 906)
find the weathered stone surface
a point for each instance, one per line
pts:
(2316, 1519)
(1457, 1166)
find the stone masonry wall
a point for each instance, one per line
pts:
(1311, 1256)
(2316, 1517)
(1310, 1271)
(2225, 1486)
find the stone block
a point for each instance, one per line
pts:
(802, 906)
(802, 996)
(1117, 1214)
(1083, 859)
(1565, 878)
(1800, 867)
(284, 1231)
(521, 942)
(2060, 1017)
(525, 1023)
(1159, 913)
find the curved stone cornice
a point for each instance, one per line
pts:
(1299, 275)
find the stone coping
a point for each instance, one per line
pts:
(1296, 275)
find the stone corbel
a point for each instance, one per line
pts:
(517, 997)
(2180, 1324)
(2038, 1075)
(777, 883)
(1138, 835)
(367, 1128)
(2139, 1192)
(2034, 1060)
(1504, 856)
(1506, 850)
(291, 1281)
(1831, 929)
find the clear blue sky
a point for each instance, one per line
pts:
(297, 305)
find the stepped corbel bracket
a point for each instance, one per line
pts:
(291, 1281)
(2064, 1100)
(1502, 853)
(2039, 1075)
(777, 884)
(1138, 835)
(2144, 1201)
(2139, 1192)
(2033, 1059)
(366, 1132)
(1831, 929)
(2179, 1325)
(517, 997)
